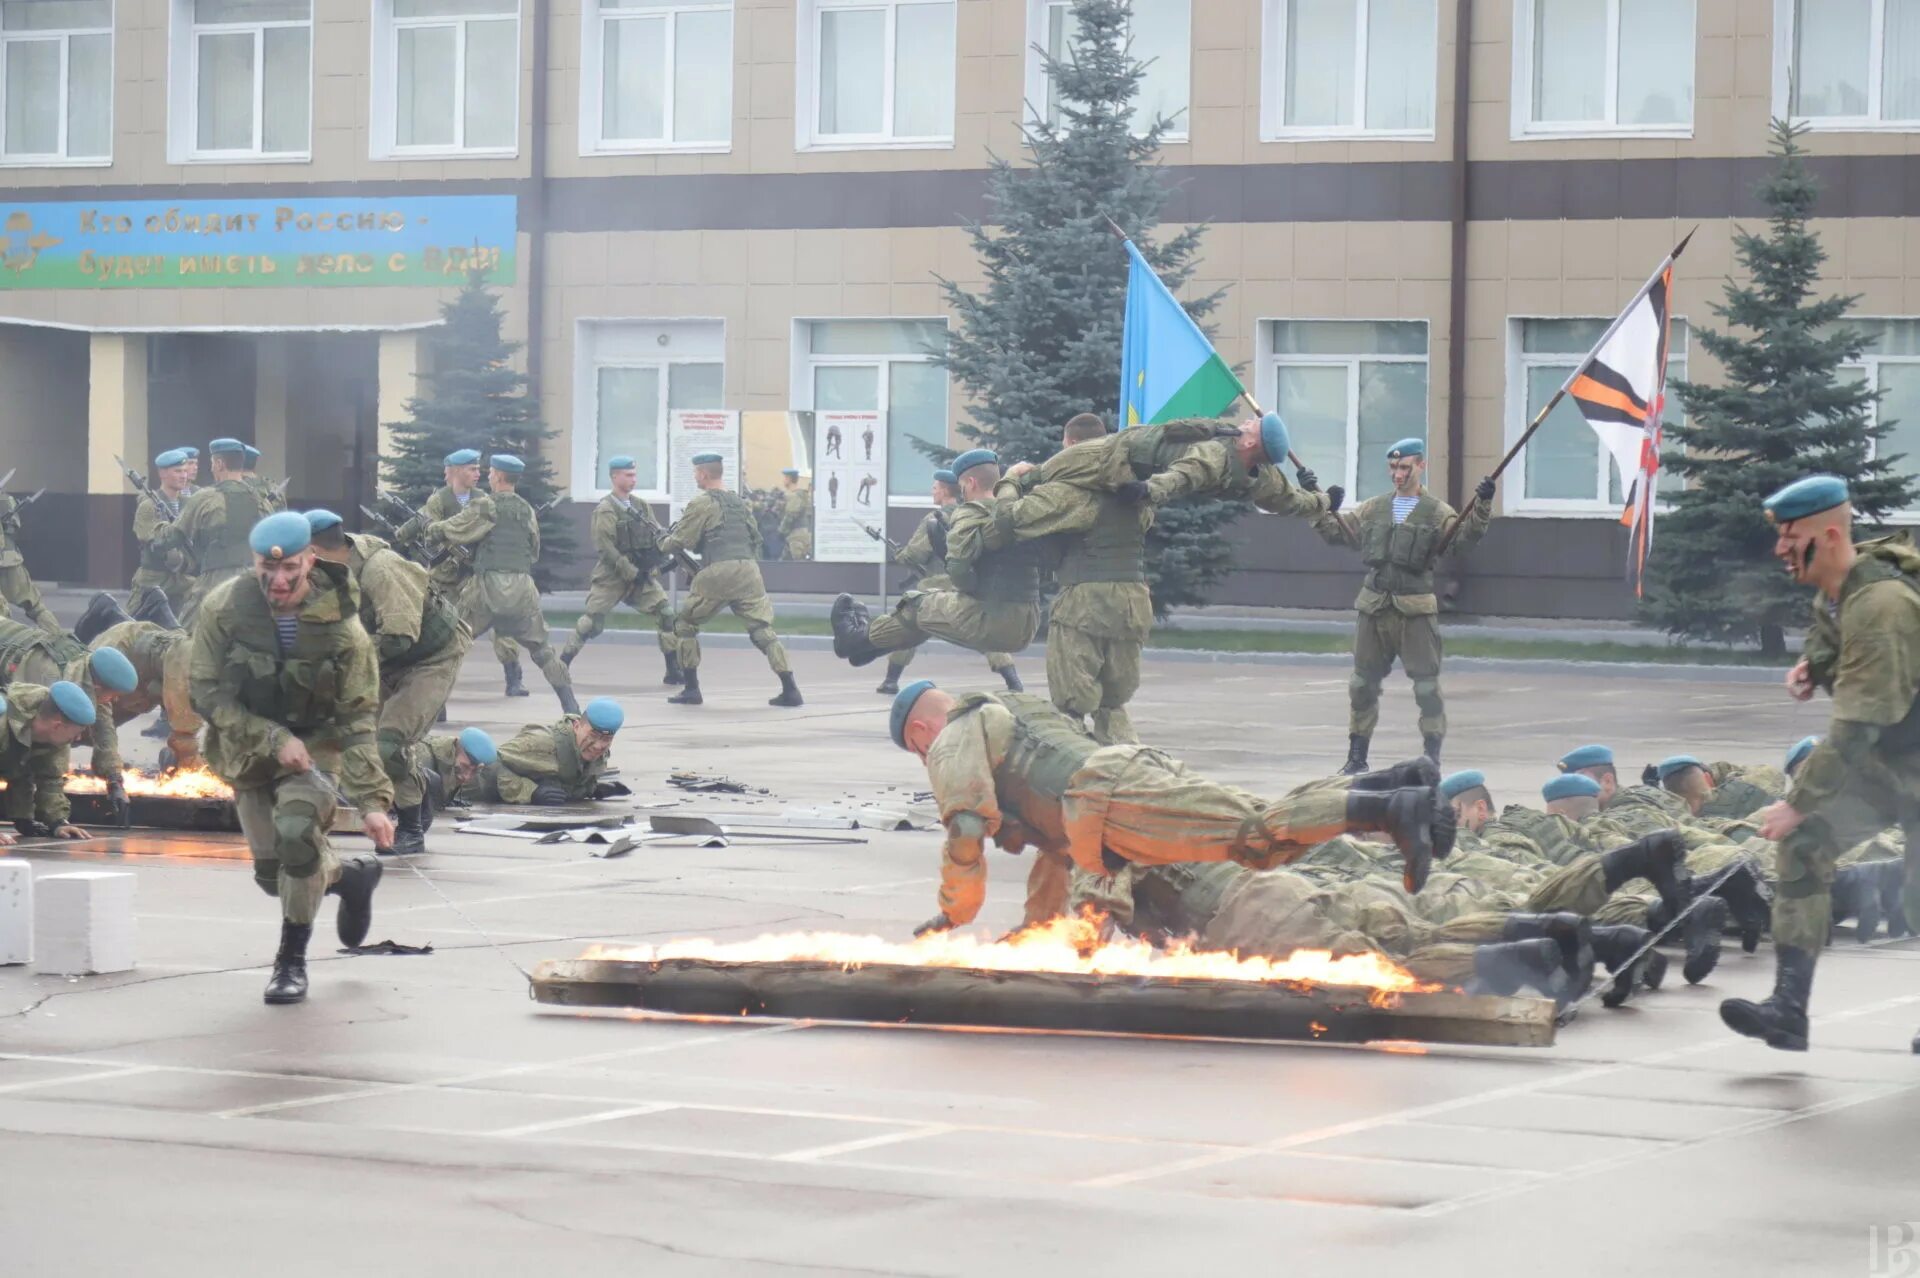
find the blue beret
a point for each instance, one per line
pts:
(507, 462)
(947, 477)
(1570, 785)
(1805, 497)
(479, 746)
(111, 670)
(790, 472)
(461, 457)
(321, 520)
(191, 452)
(974, 457)
(903, 707)
(253, 454)
(74, 705)
(1587, 756)
(1460, 782)
(708, 459)
(1801, 749)
(1408, 447)
(278, 536)
(227, 446)
(1274, 441)
(622, 462)
(172, 457)
(1676, 763)
(605, 714)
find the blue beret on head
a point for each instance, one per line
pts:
(225, 446)
(974, 457)
(507, 462)
(605, 714)
(1586, 756)
(461, 457)
(190, 451)
(1801, 749)
(903, 709)
(74, 705)
(1676, 763)
(321, 520)
(1408, 447)
(111, 670)
(1805, 497)
(278, 536)
(479, 746)
(1570, 785)
(1274, 440)
(172, 457)
(622, 462)
(1459, 783)
(790, 472)
(252, 454)
(947, 477)
(708, 459)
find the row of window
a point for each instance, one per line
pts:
(1347, 388)
(657, 75)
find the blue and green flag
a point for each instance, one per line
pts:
(1168, 368)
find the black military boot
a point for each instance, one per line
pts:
(1751, 900)
(1702, 935)
(1507, 967)
(103, 612)
(1012, 678)
(1430, 746)
(1658, 857)
(1356, 756)
(154, 606)
(1411, 817)
(849, 621)
(569, 704)
(515, 688)
(1780, 1019)
(288, 984)
(1615, 947)
(1573, 933)
(409, 833)
(1414, 772)
(689, 694)
(1893, 901)
(674, 674)
(568, 653)
(158, 730)
(891, 684)
(789, 692)
(359, 876)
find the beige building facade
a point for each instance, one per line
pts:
(1421, 210)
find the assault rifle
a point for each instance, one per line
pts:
(161, 505)
(893, 547)
(682, 560)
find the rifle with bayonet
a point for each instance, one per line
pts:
(162, 508)
(680, 559)
(893, 547)
(10, 515)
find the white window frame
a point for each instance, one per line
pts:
(807, 81)
(383, 137)
(184, 97)
(1513, 495)
(1270, 362)
(1035, 109)
(1870, 363)
(708, 347)
(595, 14)
(1785, 37)
(60, 158)
(1273, 84)
(805, 362)
(1527, 129)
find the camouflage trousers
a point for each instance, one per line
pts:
(411, 699)
(1379, 639)
(16, 584)
(734, 584)
(985, 625)
(643, 595)
(897, 659)
(509, 604)
(286, 825)
(1805, 860)
(1089, 674)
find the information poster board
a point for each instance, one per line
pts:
(849, 487)
(690, 432)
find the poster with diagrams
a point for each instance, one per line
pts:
(849, 487)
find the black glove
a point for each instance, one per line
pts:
(1484, 490)
(610, 790)
(1133, 492)
(1309, 482)
(937, 538)
(550, 794)
(938, 923)
(122, 808)
(1335, 495)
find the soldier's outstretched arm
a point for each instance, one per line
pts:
(1472, 528)
(1048, 509)
(1339, 528)
(468, 526)
(50, 804)
(960, 769)
(218, 699)
(700, 515)
(1275, 495)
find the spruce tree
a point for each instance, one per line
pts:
(1041, 342)
(1782, 412)
(471, 396)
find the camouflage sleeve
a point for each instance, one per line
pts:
(1472, 528)
(356, 717)
(604, 525)
(399, 600)
(968, 534)
(960, 769)
(1202, 468)
(105, 739)
(512, 787)
(529, 754)
(1340, 527)
(469, 526)
(918, 552)
(1272, 493)
(176, 703)
(1048, 509)
(217, 696)
(533, 530)
(49, 768)
(146, 520)
(700, 515)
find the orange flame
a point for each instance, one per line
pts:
(1062, 945)
(181, 783)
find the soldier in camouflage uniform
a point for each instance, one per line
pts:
(925, 558)
(420, 640)
(1722, 791)
(1864, 648)
(41, 724)
(626, 570)
(451, 571)
(289, 684)
(1011, 767)
(554, 764)
(452, 763)
(213, 525)
(502, 533)
(718, 528)
(16, 583)
(29, 655)
(272, 496)
(159, 657)
(796, 517)
(1398, 537)
(162, 566)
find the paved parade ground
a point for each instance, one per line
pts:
(420, 1116)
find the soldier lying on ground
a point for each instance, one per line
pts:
(553, 764)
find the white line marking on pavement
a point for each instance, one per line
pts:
(869, 1142)
(604, 1116)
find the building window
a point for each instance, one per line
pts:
(1349, 68)
(630, 375)
(878, 72)
(884, 365)
(1890, 366)
(1348, 389)
(1563, 469)
(447, 77)
(1603, 66)
(1159, 35)
(249, 78)
(1848, 64)
(56, 79)
(658, 76)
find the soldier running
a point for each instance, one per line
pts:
(626, 569)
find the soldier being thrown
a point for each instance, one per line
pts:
(1010, 767)
(288, 682)
(626, 569)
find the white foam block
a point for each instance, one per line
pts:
(16, 911)
(83, 922)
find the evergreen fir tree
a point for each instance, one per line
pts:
(1782, 412)
(1041, 342)
(471, 396)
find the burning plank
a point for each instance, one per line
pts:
(183, 799)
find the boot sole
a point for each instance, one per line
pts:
(282, 1000)
(1740, 1021)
